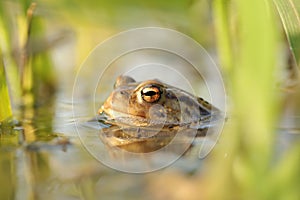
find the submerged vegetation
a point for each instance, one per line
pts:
(257, 41)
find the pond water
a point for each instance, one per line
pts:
(55, 165)
(46, 158)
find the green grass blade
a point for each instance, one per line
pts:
(221, 13)
(248, 140)
(290, 18)
(5, 107)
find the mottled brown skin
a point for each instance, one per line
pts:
(178, 107)
(151, 105)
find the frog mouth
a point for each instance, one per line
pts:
(126, 120)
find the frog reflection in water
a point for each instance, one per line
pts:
(146, 116)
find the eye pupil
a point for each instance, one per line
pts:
(151, 94)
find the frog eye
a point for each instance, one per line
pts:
(151, 94)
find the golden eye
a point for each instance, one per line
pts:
(151, 94)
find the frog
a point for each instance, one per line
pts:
(145, 116)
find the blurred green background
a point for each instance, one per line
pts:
(43, 43)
